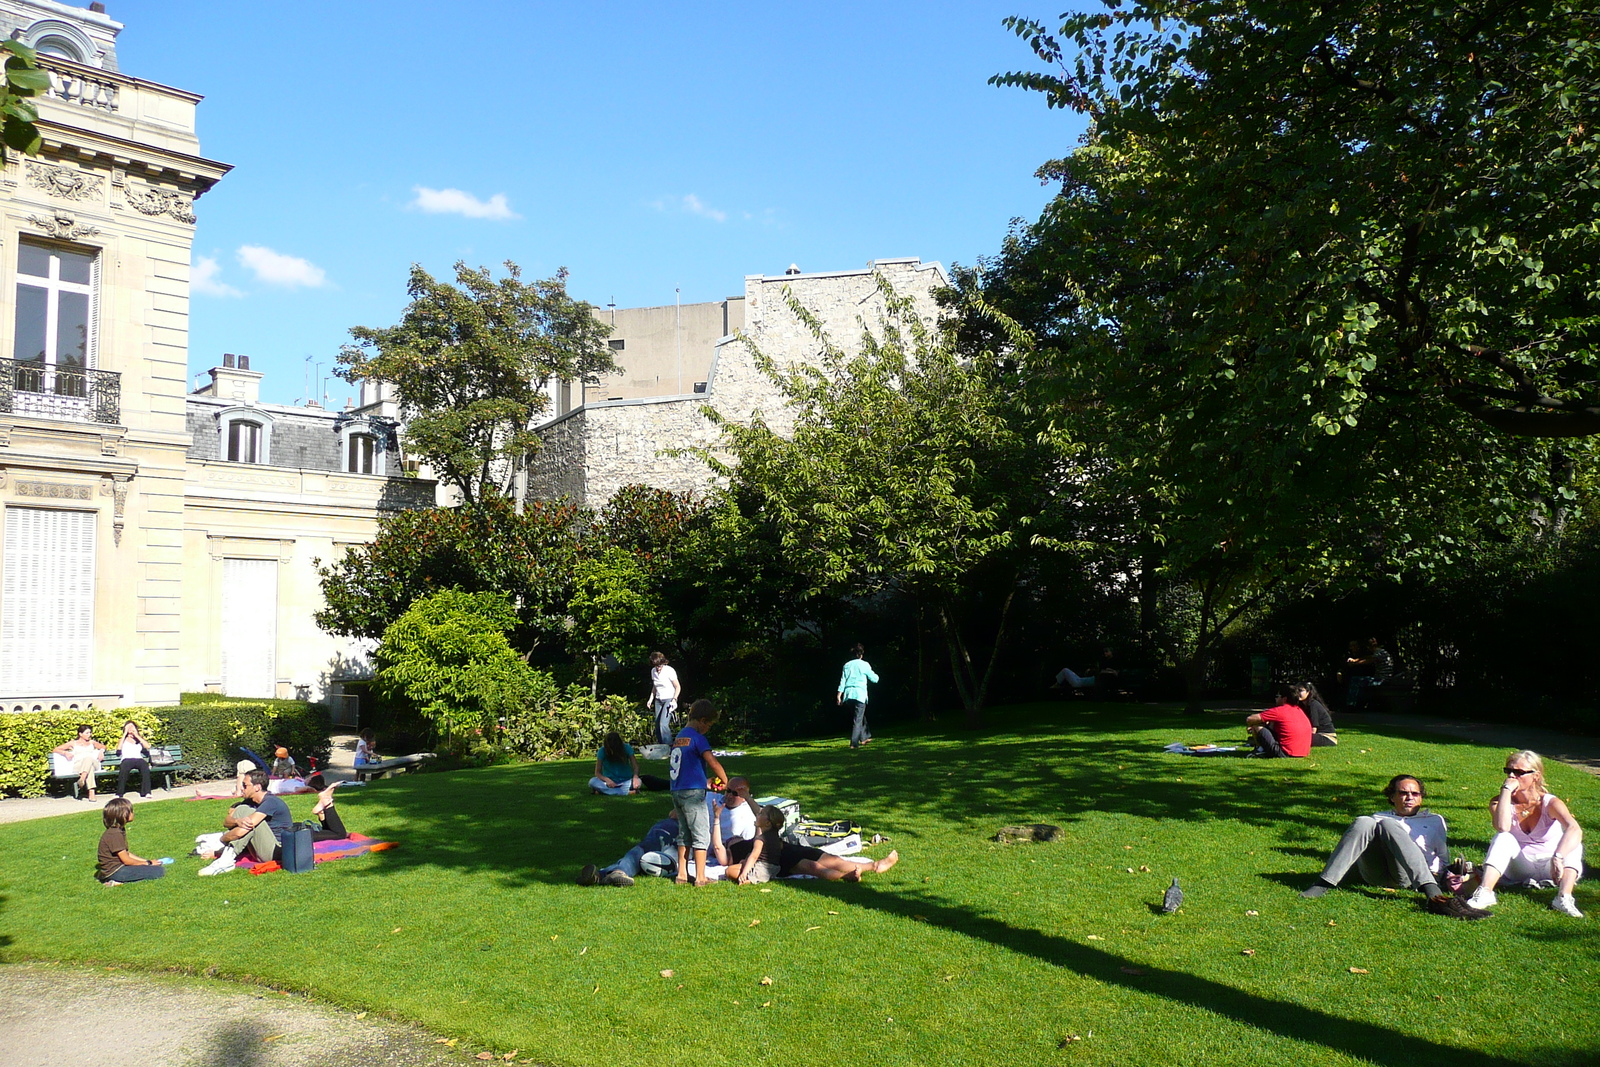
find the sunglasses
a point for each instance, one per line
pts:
(1516, 773)
(1408, 792)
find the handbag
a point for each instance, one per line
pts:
(161, 756)
(299, 855)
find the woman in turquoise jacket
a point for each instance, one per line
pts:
(853, 694)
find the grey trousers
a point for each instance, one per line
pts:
(1381, 853)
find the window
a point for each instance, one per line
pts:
(55, 45)
(55, 330)
(362, 451)
(617, 344)
(47, 599)
(244, 441)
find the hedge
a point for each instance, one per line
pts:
(26, 738)
(209, 731)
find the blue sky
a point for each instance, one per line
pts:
(643, 146)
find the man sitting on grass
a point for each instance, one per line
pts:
(255, 826)
(1281, 730)
(1403, 848)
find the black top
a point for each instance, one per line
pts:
(1321, 721)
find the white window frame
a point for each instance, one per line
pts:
(53, 287)
(380, 441)
(225, 420)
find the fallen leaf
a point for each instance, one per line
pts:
(766, 890)
(811, 928)
(949, 978)
(667, 974)
(596, 990)
(1248, 952)
(736, 1002)
(766, 1004)
(1359, 970)
(511, 1055)
(274, 1037)
(1130, 870)
(1130, 970)
(1142, 867)
(1096, 937)
(1438, 996)
(1388, 889)
(1127, 846)
(585, 949)
(680, 985)
(755, 922)
(765, 980)
(361, 1015)
(485, 1055)
(554, 936)
(441, 1041)
(1252, 912)
(833, 913)
(1332, 923)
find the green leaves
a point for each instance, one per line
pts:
(23, 79)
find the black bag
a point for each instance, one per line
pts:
(298, 853)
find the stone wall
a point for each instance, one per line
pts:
(599, 448)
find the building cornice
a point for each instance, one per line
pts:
(90, 146)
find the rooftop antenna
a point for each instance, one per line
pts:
(613, 306)
(677, 332)
(308, 379)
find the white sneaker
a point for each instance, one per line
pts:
(223, 864)
(1483, 898)
(1566, 905)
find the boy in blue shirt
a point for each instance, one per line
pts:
(690, 759)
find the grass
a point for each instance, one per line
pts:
(967, 953)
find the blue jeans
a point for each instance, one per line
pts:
(664, 710)
(621, 789)
(655, 850)
(859, 734)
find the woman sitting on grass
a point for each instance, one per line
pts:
(114, 864)
(1536, 844)
(616, 768)
(771, 855)
(1308, 700)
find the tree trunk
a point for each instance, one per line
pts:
(972, 688)
(924, 668)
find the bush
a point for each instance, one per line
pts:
(572, 724)
(211, 728)
(26, 738)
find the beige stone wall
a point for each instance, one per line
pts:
(654, 338)
(601, 447)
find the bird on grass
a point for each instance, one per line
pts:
(1173, 900)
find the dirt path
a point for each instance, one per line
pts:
(1581, 752)
(54, 1015)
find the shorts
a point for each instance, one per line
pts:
(792, 854)
(694, 820)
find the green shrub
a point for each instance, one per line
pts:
(573, 723)
(448, 655)
(26, 738)
(210, 732)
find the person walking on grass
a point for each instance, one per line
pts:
(1536, 844)
(690, 760)
(114, 864)
(852, 694)
(85, 753)
(1405, 847)
(664, 693)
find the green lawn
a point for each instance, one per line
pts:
(967, 953)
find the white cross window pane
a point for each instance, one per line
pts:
(54, 327)
(244, 441)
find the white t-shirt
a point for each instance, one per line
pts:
(131, 749)
(664, 679)
(1428, 831)
(738, 824)
(363, 751)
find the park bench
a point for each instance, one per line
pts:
(389, 767)
(1396, 694)
(61, 769)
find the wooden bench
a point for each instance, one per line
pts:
(385, 768)
(110, 763)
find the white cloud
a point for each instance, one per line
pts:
(457, 202)
(275, 268)
(203, 279)
(690, 205)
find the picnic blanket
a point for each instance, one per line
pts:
(326, 852)
(1181, 749)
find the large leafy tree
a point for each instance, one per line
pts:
(471, 365)
(1292, 277)
(906, 473)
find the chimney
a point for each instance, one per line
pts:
(227, 359)
(244, 362)
(234, 381)
(98, 8)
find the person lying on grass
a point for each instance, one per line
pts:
(1403, 848)
(771, 856)
(690, 760)
(115, 864)
(653, 855)
(1281, 730)
(1537, 843)
(256, 825)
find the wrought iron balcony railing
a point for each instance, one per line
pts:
(75, 394)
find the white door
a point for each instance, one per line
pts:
(250, 627)
(47, 600)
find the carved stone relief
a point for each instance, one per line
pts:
(147, 200)
(67, 183)
(64, 226)
(54, 490)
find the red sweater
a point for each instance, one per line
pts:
(1291, 726)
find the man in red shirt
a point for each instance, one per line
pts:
(1281, 730)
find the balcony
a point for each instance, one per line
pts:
(71, 394)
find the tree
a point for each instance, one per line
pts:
(23, 81)
(471, 365)
(904, 474)
(1276, 297)
(1347, 203)
(613, 610)
(527, 555)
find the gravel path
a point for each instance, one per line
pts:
(54, 1015)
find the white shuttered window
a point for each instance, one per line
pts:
(47, 600)
(250, 627)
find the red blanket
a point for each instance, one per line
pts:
(326, 852)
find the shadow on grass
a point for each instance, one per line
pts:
(1365, 1040)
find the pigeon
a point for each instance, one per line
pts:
(1173, 900)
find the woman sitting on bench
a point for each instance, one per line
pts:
(85, 753)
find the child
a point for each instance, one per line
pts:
(616, 768)
(115, 864)
(365, 753)
(691, 756)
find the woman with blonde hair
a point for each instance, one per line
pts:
(85, 753)
(1536, 844)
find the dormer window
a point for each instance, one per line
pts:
(364, 445)
(56, 45)
(361, 453)
(244, 435)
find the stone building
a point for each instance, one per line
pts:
(150, 542)
(618, 434)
